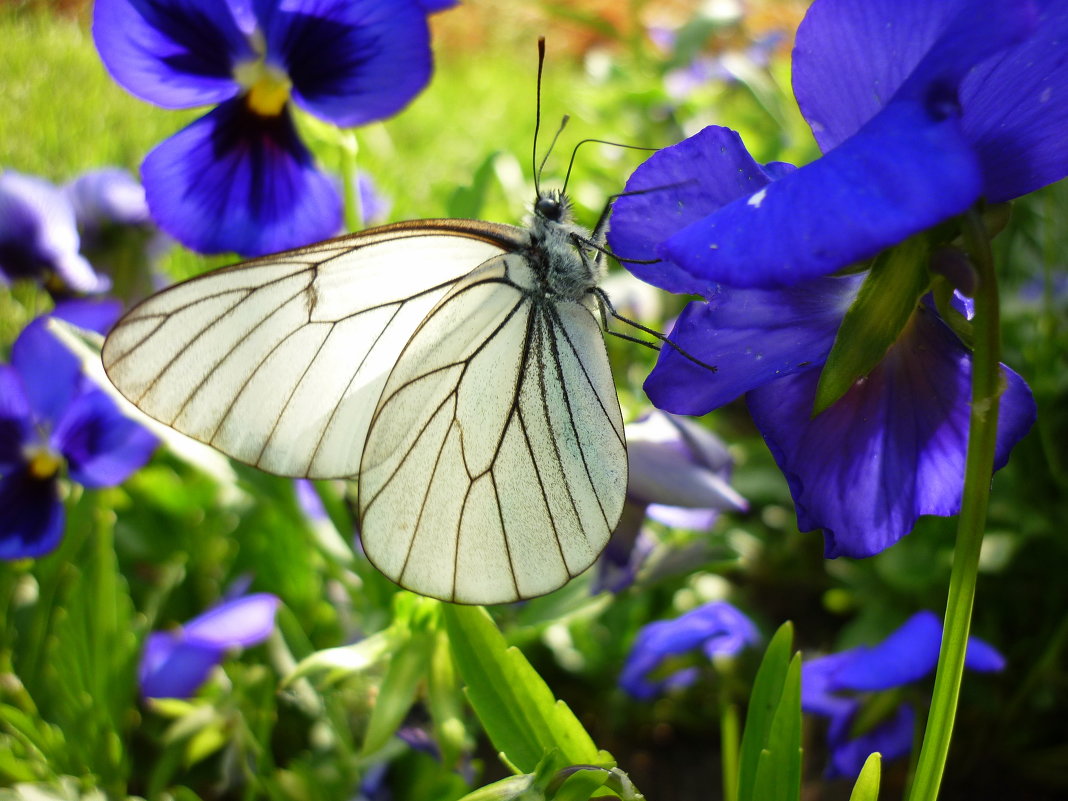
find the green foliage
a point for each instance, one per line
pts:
(514, 704)
(866, 787)
(887, 300)
(770, 760)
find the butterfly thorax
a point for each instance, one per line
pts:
(566, 268)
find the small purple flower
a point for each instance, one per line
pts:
(716, 629)
(679, 471)
(829, 687)
(679, 476)
(175, 663)
(52, 416)
(239, 178)
(39, 237)
(921, 109)
(117, 232)
(891, 449)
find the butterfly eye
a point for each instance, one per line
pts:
(550, 208)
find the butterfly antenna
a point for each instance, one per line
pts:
(574, 153)
(537, 117)
(552, 144)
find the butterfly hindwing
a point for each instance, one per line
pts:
(279, 362)
(495, 466)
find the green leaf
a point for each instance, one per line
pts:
(778, 775)
(445, 702)
(332, 665)
(867, 785)
(886, 301)
(763, 704)
(467, 201)
(511, 788)
(414, 625)
(514, 704)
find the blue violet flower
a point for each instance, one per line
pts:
(117, 232)
(52, 417)
(239, 178)
(892, 448)
(830, 688)
(174, 664)
(680, 477)
(39, 237)
(921, 109)
(714, 629)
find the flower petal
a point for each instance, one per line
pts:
(752, 336)
(93, 314)
(39, 236)
(852, 57)
(906, 170)
(107, 196)
(351, 61)
(672, 198)
(892, 448)
(235, 181)
(892, 739)
(983, 657)
(103, 447)
(173, 667)
(1016, 110)
(174, 53)
(908, 654)
(31, 516)
(242, 622)
(818, 687)
(51, 374)
(15, 417)
(677, 463)
(716, 627)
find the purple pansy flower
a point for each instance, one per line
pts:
(891, 449)
(829, 686)
(239, 178)
(922, 108)
(51, 415)
(39, 237)
(716, 629)
(117, 231)
(175, 663)
(679, 476)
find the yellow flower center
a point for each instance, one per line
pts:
(267, 87)
(44, 462)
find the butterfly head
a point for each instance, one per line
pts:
(553, 206)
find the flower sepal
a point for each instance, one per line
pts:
(876, 710)
(884, 305)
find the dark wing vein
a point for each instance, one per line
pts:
(558, 323)
(553, 439)
(292, 392)
(229, 352)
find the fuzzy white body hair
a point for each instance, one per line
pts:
(569, 269)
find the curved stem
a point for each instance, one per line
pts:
(350, 180)
(987, 385)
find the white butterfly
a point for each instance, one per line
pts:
(455, 368)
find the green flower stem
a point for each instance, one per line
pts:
(728, 730)
(987, 385)
(349, 179)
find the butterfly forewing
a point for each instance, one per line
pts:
(495, 467)
(279, 362)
